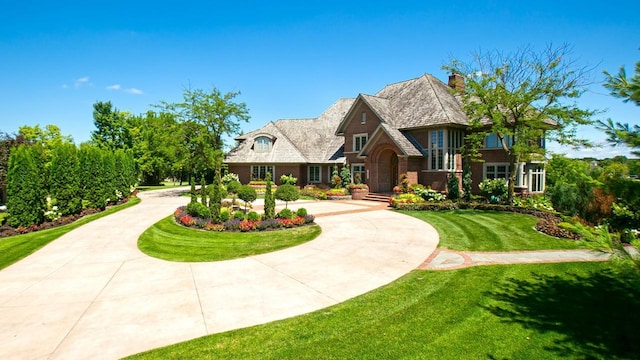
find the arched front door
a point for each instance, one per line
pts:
(387, 170)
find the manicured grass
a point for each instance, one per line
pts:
(545, 311)
(164, 185)
(169, 241)
(477, 230)
(18, 247)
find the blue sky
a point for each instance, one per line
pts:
(288, 59)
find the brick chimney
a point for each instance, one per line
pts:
(456, 82)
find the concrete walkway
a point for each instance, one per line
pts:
(93, 294)
(443, 259)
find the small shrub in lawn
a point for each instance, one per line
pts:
(493, 190)
(253, 216)
(302, 212)
(285, 214)
(430, 194)
(201, 223)
(238, 215)
(309, 219)
(199, 210)
(224, 215)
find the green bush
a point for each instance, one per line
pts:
(233, 187)
(453, 187)
(64, 179)
(302, 212)
(224, 215)
(285, 214)
(494, 190)
(287, 193)
(3, 216)
(247, 194)
(197, 209)
(314, 193)
(252, 215)
(228, 178)
(429, 194)
(238, 215)
(288, 180)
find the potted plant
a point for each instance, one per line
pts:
(358, 191)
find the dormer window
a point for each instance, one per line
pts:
(262, 144)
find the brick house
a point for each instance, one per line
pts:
(415, 127)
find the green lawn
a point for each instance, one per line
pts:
(169, 241)
(163, 185)
(545, 311)
(18, 247)
(477, 230)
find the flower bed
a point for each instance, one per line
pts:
(182, 217)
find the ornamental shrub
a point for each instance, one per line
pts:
(287, 193)
(269, 200)
(91, 173)
(203, 191)
(493, 190)
(253, 216)
(199, 210)
(285, 214)
(336, 180)
(302, 212)
(288, 180)
(466, 180)
(429, 194)
(247, 194)
(238, 215)
(224, 215)
(192, 192)
(453, 187)
(345, 175)
(25, 196)
(228, 178)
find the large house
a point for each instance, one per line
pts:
(414, 127)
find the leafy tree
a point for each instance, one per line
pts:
(49, 137)
(569, 185)
(112, 131)
(522, 97)
(157, 145)
(206, 118)
(7, 143)
(233, 187)
(627, 89)
(287, 193)
(64, 180)
(26, 198)
(269, 200)
(247, 194)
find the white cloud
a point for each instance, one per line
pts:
(81, 82)
(113, 87)
(133, 91)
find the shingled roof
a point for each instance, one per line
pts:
(311, 141)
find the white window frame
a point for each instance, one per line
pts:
(314, 181)
(262, 146)
(266, 170)
(359, 137)
(443, 147)
(362, 171)
(363, 118)
(536, 177)
(495, 172)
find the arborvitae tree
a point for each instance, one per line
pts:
(466, 180)
(109, 182)
(453, 187)
(269, 200)
(345, 174)
(194, 194)
(64, 179)
(26, 200)
(124, 172)
(216, 196)
(203, 191)
(91, 177)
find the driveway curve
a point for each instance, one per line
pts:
(93, 294)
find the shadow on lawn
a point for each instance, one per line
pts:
(597, 314)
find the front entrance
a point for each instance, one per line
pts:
(387, 170)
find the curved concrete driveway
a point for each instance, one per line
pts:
(93, 294)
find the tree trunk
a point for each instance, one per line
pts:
(513, 173)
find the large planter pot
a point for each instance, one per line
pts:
(359, 194)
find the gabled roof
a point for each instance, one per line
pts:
(421, 102)
(296, 140)
(404, 142)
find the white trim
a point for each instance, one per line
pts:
(273, 173)
(364, 178)
(360, 135)
(496, 164)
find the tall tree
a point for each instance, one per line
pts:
(207, 117)
(112, 130)
(7, 144)
(522, 97)
(64, 180)
(26, 194)
(627, 89)
(156, 145)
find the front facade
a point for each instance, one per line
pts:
(415, 127)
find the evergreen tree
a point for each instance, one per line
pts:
(269, 200)
(64, 180)
(109, 184)
(453, 187)
(203, 191)
(26, 200)
(216, 196)
(194, 195)
(91, 177)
